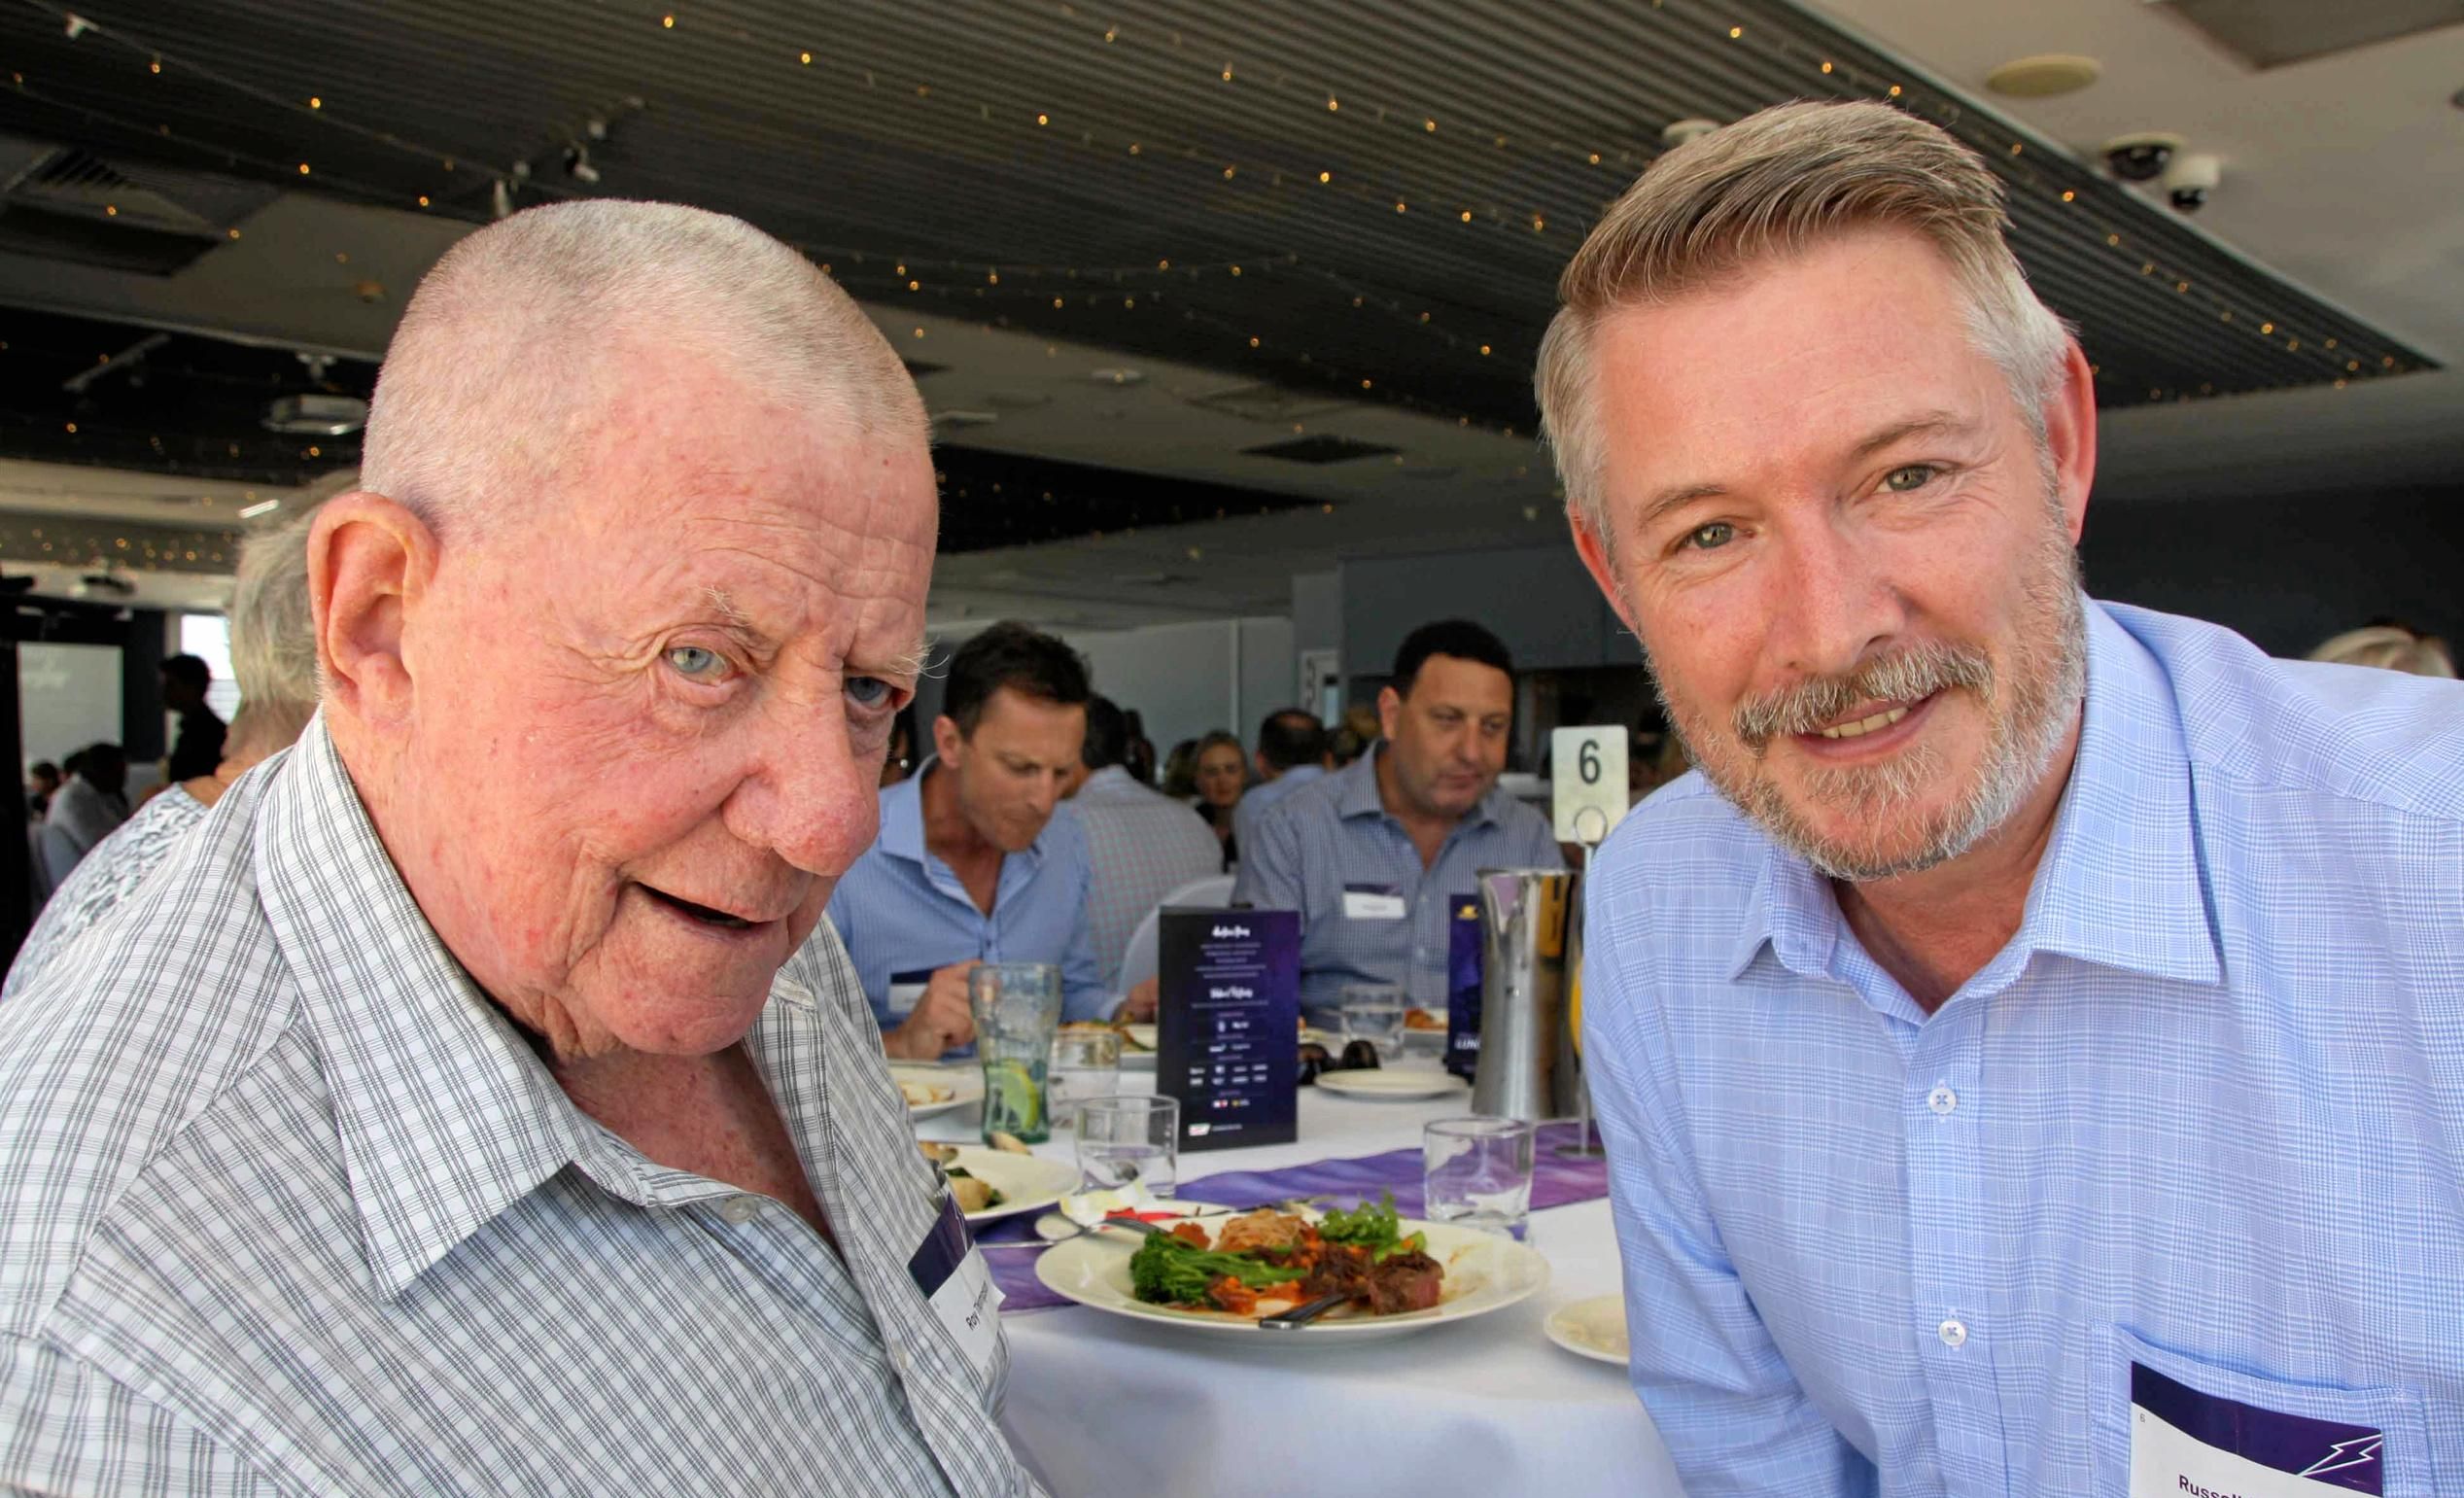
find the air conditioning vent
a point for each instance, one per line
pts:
(1319, 449)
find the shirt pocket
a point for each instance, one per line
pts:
(2396, 1414)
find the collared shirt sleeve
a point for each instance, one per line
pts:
(1085, 995)
(78, 1433)
(1733, 1416)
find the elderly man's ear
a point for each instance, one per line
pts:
(369, 559)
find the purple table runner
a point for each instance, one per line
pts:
(1556, 1181)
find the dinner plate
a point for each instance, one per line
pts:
(1394, 1085)
(1137, 1047)
(1593, 1329)
(1484, 1273)
(965, 1083)
(1027, 1183)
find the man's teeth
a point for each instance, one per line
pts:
(1864, 725)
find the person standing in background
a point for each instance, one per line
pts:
(198, 748)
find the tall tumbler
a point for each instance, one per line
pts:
(1523, 993)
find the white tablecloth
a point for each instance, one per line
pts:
(1102, 1404)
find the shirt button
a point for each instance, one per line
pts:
(1951, 1333)
(739, 1210)
(1942, 1099)
(898, 1359)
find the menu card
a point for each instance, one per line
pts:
(1462, 985)
(1228, 1024)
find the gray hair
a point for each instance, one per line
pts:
(519, 336)
(2390, 647)
(274, 635)
(1773, 184)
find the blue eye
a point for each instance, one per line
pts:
(867, 691)
(697, 663)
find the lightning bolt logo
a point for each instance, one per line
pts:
(2345, 1454)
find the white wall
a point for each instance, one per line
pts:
(69, 696)
(1187, 680)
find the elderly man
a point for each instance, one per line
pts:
(1377, 856)
(2031, 1050)
(977, 861)
(439, 1117)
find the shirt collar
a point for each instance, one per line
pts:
(1109, 779)
(447, 1115)
(2120, 884)
(902, 834)
(1356, 795)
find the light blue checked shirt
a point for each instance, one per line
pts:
(1141, 845)
(902, 912)
(1334, 836)
(1264, 796)
(2204, 1112)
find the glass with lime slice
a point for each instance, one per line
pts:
(1017, 1009)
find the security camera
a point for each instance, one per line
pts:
(2189, 181)
(2141, 157)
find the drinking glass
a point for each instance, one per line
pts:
(1086, 1066)
(1126, 1139)
(1477, 1171)
(1375, 1012)
(1016, 1006)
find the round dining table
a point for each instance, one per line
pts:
(1100, 1405)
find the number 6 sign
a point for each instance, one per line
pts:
(1587, 781)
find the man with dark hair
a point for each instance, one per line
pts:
(1375, 856)
(84, 811)
(1291, 752)
(198, 750)
(973, 864)
(1142, 845)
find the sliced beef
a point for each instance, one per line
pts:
(1342, 1270)
(1404, 1282)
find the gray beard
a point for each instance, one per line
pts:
(2047, 685)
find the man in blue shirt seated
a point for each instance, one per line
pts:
(1375, 855)
(1291, 753)
(2032, 1049)
(977, 860)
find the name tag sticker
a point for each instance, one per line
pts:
(1374, 902)
(2189, 1445)
(957, 1284)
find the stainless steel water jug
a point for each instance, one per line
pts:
(1524, 1049)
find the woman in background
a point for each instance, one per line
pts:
(275, 658)
(1222, 772)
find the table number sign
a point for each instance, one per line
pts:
(1228, 1024)
(1586, 782)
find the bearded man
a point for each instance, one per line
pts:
(2030, 1050)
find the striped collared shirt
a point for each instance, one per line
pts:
(1264, 797)
(2204, 1113)
(902, 913)
(1141, 845)
(292, 1209)
(1333, 837)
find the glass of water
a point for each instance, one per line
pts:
(1126, 1139)
(1477, 1171)
(1017, 1005)
(1375, 1012)
(1086, 1066)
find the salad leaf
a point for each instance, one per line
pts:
(1374, 1228)
(1169, 1271)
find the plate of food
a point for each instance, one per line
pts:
(936, 1090)
(1220, 1276)
(988, 1184)
(1396, 1084)
(1593, 1329)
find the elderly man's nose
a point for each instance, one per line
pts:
(820, 812)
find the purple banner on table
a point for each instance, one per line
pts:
(1556, 1181)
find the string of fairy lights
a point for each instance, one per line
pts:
(2114, 221)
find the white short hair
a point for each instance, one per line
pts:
(517, 338)
(1772, 184)
(2390, 647)
(274, 635)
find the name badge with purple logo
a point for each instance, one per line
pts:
(2189, 1445)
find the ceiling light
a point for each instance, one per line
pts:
(317, 415)
(2043, 76)
(1119, 376)
(260, 508)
